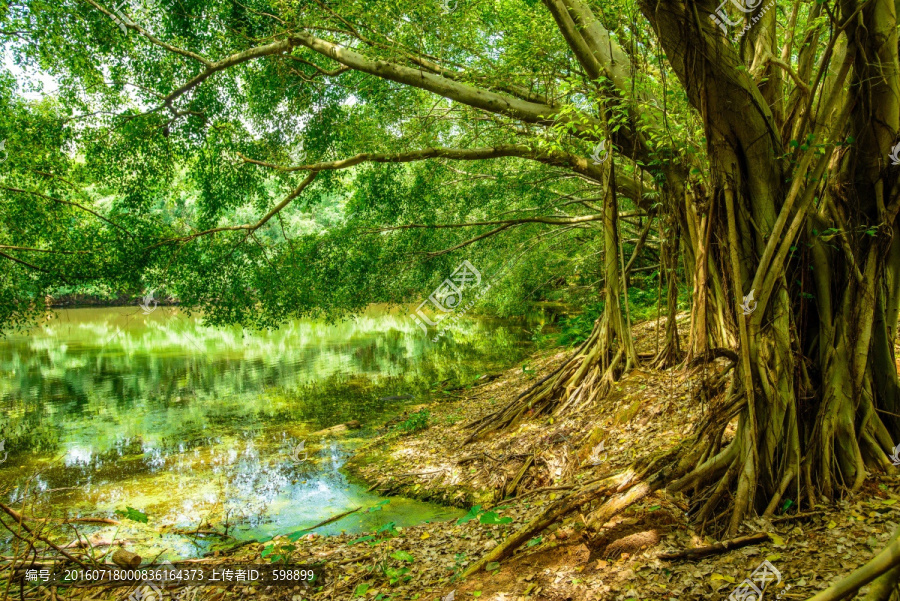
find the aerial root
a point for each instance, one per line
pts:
(588, 374)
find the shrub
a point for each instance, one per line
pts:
(415, 422)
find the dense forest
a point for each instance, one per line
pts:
(734, 166)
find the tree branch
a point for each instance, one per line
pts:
(530, 112)
(249, 228)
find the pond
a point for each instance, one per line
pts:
(198, 427)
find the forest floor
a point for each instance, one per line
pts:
(511, 475)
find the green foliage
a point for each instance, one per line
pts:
(484, 516)
(385, 531)
(577, 328)
(295, 536)
(473, 513)
(149, 194)
(642, 305)
(402, 556)
(132, 514)
(362, 539)
(389, 528)
(278, 551)
(415, 422)
(490, 517)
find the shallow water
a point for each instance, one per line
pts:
(107, 408)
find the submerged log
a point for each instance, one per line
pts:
(338, 429)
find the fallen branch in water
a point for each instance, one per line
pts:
(189, 532)
(21, 522)
(18, 517)
(334, 519)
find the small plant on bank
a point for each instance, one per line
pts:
(415, 422)
(386, 532)
(459, 564)
(484, 516)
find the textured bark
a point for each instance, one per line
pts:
(844, 332)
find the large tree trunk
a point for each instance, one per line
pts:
(814, 369)
(808, 371)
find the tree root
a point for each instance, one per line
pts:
(547, 518)
(721, 547)
(884, 562)
(885, 585)
(625, 488)
(588, 374)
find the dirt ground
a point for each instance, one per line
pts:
(510, 475)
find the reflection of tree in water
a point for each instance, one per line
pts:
(120, 387)
(198, 424)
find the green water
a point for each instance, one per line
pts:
(104, 408)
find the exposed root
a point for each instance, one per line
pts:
(547, 518)
(586, 376)
(623, 489)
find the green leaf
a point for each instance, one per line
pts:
(295, 536)
(389, 527)
(402, 556)
(361, 589)
(473, 513)
(494, 565)
(361, 540)
(490, 517)
(132, 514)
(535, 541)
(380, 505)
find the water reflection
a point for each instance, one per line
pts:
(197, 425)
